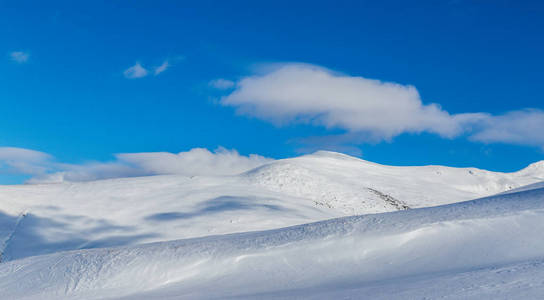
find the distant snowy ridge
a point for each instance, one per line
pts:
(324, 185)
(356, 186)
(492, 247)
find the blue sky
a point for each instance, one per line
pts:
(66, 86)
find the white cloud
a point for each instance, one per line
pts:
(23, 161)
(88, 171)
(523, 127)
(139, 71)
(222, 84)
(136, 71)
(13, 153)
(19, 56)
(197, 161)
(368, 109)
(165, 65)
(306, 93)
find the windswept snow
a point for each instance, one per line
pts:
(487, 248)
(47, 218)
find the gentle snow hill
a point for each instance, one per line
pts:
(356, 186)
(490, 248)
(40, 219)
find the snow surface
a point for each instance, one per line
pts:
(91, 240)
(46, 218)
(490, 248)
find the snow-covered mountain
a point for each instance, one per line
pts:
(47, 218)
(490, 248)
(355, 186)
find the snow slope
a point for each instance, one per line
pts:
(340, 181)
(490, 248)
(41, 219)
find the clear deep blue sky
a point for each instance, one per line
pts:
(70, 99)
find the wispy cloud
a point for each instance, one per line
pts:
(165, 65)
(23, 161)
(369, 109)
(136, 71)
(222, 84)
(19, 56)
(198, 161)
(523, 127)
(139, 71)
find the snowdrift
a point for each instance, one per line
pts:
(485, 248)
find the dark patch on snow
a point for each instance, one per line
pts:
(390, 200)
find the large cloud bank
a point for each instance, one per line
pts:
(198, 161)
(302, 93)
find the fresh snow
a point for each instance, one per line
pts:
(218, 236)
(46, 218)
(490, 248)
